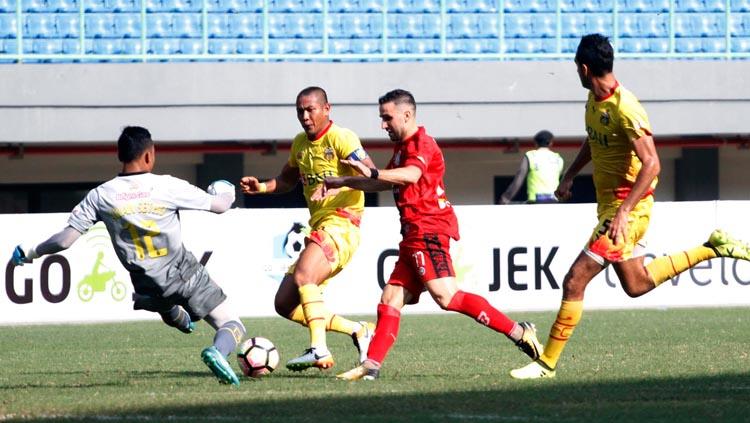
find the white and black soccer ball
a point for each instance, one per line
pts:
(295, 240)
(258, 357)
(220, 186)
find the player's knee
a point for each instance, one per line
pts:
(443, 301)
(634, 291)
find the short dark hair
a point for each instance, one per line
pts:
(314, 90)
(398, 96)
(133, 141)
(596, 52)
(543, 138)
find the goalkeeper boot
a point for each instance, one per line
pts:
(534, 370)
(219, 366)
(360, 373)
(362, 338)
(529, 343)
(726, 246)
(312, 357)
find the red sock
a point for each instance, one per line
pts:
(386, 332)
(477, 307)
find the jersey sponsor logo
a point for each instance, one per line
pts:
(597, 137)
(125, 196)
(311, 179)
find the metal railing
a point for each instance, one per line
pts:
(86, 54)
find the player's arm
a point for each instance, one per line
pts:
(284, 182)
(650, 167)
(566, 183)
(56, 243)
(515, 185)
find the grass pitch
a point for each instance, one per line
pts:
(646, 365)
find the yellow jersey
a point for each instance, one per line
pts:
(613, 124)
(318, 159)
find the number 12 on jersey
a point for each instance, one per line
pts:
(146, 239)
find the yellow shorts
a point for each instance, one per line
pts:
(602, 249)
(338, 236)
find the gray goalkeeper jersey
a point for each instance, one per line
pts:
(141, 213)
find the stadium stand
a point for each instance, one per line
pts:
(367, 29)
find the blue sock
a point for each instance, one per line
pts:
(228, 336)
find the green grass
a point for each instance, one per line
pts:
(648, 365)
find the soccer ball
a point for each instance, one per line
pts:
(219, 187)
(258, 357)
(295, 240)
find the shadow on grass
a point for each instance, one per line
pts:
(720, 398)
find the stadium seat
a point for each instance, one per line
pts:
(123, 6)
(659, 45)
(41, 46)
(422, 46)
(338, 6)
(40, 25)
(431, 26)
(131, 46)
(532, 45)
(688, 6)
(654, 25)
(524, 6)
(451, 6)
(159, 25)
(399, 6)
(739, 45)
(281, 46)
(186, 25)
(62, 5)
(543, 25)
(182, 5)
(573, 25)
(699, 25)
(356, 25)
(33, 5)
(599, 23)
(248, 46)
(370, 5)
(339, 46)
(740, 25)
(94, 6)
(303, 25)
(740, 6)
(714, 45)
(308, 46)
(405, 26)
(8, 46)
(163, 46)
(7, 6)
(426, 6)
(128, 25)
(627, 24)
(365, 46)
(488, 25)
(68, 25)
(154, 6)
(462, 25)
(714, 5)
(276, 25)
(71, 46)
(397, 46)
(634, 45)
(191, 46)
(481, 6)
(586, 5)
(569, 45)
(284, 6)
(218, 25)
(106, 46)
(688, 45)
(245, 25)
(518, 25)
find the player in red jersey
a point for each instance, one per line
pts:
(415, 174)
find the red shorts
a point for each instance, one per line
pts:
(421, 260)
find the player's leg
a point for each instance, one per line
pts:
(171, 314)
(446, 294)
(386, 332)
(312, 268)
(229, 333)
(571, 309)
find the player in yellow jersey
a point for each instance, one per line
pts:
(626, 165)
(316, 153)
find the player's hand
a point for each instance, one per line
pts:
(251, 185)
(22, 255)
(358, 166)
(564, 190)
(329, 188)
(618, 227)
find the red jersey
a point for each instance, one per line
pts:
(423, 206)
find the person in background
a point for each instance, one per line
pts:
(541, 168)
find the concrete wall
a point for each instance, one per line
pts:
(252, 101)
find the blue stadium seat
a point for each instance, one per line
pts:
(357, 25)
(226, 5)
(406, 26)
(599, 23)
(627, 24)
(68, 25)
(71, 46)
(276, 25)
(466, 46)
(688, 5)
(714, 5)
(295, 6)
(689, 25)
(714, 45)
(480, 6)
(308, 46)
(543, 25)
(338, 6)
(339, 46)
(62, 5)
(281, 46)
(365, 46)
(426, 6)
(422, 46)
(218, 25)
(154, 6)
(399, 6)
(128, 25)
(532, 45)
(187, 25)
(245, 25)
(99, 25)
(123, 6)
(163, 46)
(518, 6)
(248, 46)
(131, 46)
(40, 25)
(518, 25)
(688, 45)
(655, 25)
(41, 46)
(569, 45)
(9, 46)
(182, 5)
(7, 6)
(573, 25)
(740, 25)
(370, 6)
(739, 45)
(488, 25)
(397, 46)
(191, 46)
(8, 25)
(106, 46)
(586, 5)
(95, 6)
(254, 6)
(431, 26)
(659, 45)
(303, 25)
(462, 25)
(34, 5)
(159, 25)
(634, 45)
(740, 6)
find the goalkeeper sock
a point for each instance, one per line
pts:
(666, 267)
(228, 336)
(315, 314)
(567, 318)
(386, 332)
(479, 309)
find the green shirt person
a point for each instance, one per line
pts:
(541, 168)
